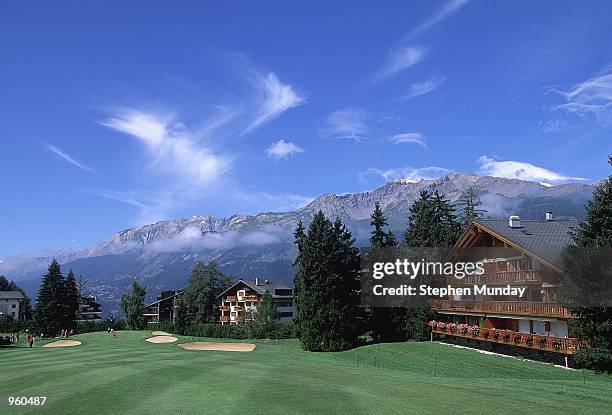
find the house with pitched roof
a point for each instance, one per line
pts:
(535, 321)
(10, 301)
(244, 296)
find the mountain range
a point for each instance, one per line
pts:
(245, 246)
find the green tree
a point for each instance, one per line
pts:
(266, 318)
(432, 223)
(387, 323)
(203, 286)
(326, 286)
(72, 299)
(379, 237)
(182, 316)
(50, 313)
(594, 324)
(468, 205)
(132, 305)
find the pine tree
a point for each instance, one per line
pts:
(326, 286)
(266, 318)
(203, 286)
(132, 305)
(72, 299)
(50, 313)
(182, 316)
(594, 324)
(432, 222)
(386, 323)
(468, 206)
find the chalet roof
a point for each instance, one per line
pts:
(543, 239)
(11, 295)
(263, 286)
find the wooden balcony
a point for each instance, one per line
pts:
(504, 277)
(562, 345)
(237, 308)
(251, 297)
(223, 308)
(518, 308)
(224, 319)
(231, 298)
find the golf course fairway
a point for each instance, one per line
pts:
(128, 375)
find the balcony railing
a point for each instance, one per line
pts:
(504, 277)
(522, 308)
(530, 341)
(223, 308)
(231, 298)
(224, 319)
(250, 297)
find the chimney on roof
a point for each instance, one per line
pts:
(256, 281)
(514, 221)
(549, 216)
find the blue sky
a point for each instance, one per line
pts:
(115, 114)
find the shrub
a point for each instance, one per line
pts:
(598, 359)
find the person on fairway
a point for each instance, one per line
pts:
(30, 341)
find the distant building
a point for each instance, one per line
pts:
(89, 309)
(245, 295)
(10, 302)
(162, 309)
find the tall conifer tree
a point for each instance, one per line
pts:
(594, 324)
(50, 313)
(326, 286)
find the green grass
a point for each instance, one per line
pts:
(126, 375)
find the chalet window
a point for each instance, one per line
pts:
(241, 293)
(286, 314)
(547, 326)
(14, 306)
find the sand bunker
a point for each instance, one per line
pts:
(221, 347)
(63, 343)
(161, 333)
(161, 339)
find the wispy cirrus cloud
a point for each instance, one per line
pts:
(282, 149)
(399, 59)
(448, 9)
(276, 99)
(170, 146)
(67, 157)
(409, 138)
(591, 97)
(349, 122)
(422, 88)
(510, 169)
(404, 173)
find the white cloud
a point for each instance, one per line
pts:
(409, 138)
(450, 8)
(347, 123)
(400, 59)
(277, 98)
(423, 88)
(593, 96)
(67, 157)
(553, 126)
(405, 173)
(282, 149)
(520, 170)
(171, 147)
(192, 238)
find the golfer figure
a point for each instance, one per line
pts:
(30, 341)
